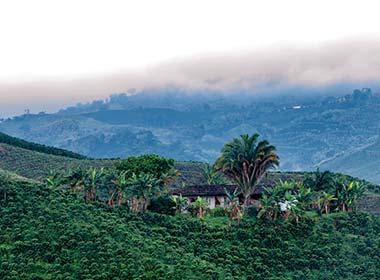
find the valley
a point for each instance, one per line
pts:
(309, 131)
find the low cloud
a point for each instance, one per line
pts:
(348, 61)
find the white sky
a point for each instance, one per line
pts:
(72, 38)
(56, 53)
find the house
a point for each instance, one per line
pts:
(215, 195)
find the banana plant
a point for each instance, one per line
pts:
(200, 204)
(233, 206)
(142, 188)
(120, 182)
(54, 179)
(180, 203)
(92, 180)
(325, 201)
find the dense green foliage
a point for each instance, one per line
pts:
(146, 164)
(47, 233)
(17, 142)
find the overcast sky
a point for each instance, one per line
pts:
(54, 53)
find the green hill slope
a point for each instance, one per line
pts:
(50, 234)
(37, 165)
(17, 142)
(35, 161)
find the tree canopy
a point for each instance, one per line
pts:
(246, 160)
(146, 164)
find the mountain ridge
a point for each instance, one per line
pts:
(307, 130)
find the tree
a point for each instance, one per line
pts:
(179, 202)
(120, 183)
(286, 199)
(268, 208)
(148, 164)
(75, 179)
(290, 206)
(233, 205)
(320, 181)
(324, 202)
(348, 193)
(246, 160)
(200, 205)
(213, 176)
(141, 189)
(91, 182)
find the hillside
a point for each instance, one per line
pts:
(367, 157)
(36, 165)
(308, 130)
(17, 142)
(50, 234)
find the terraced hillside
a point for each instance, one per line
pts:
(367, 158)
(37, 165)
(17, 142)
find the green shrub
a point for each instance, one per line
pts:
(218, 212)
(251, 211)
(162, 205)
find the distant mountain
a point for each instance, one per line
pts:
(309, 130)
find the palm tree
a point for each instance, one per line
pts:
(319, 181)
(357, 190)
(288, 199)
(246, 160)
(213, 176)
(289, 206)
(170, 176)
(180, 203)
